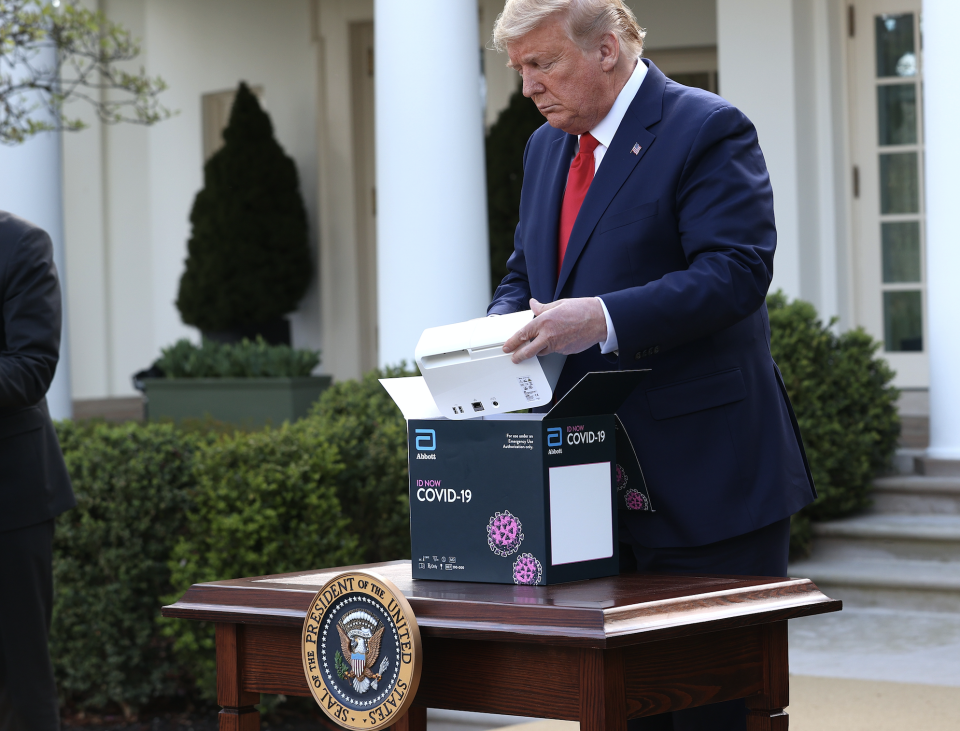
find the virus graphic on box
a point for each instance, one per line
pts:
(527, 570)
(635, 500)
(504, 533)
(622, 478)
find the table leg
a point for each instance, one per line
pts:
(238, 712)
(765, 712)
(603, 696)
(414, 719)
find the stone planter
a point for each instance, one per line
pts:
(242, 401)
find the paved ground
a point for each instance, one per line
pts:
(879, 644)
(830, 704)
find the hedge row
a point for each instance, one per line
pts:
(160, 508)
(845, 405)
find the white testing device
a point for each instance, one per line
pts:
(469, 375)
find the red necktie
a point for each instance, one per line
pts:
(578, 183)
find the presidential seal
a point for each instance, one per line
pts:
(361, 651)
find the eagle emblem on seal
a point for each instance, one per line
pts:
(360, 635)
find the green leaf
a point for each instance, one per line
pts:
(845, 406)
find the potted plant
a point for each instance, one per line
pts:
(246, 383)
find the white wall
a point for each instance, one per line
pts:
(340, 304)
(677, 23)
(781, 62)
(757, 73)
(129, 190)
(823, 180)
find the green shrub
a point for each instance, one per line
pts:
(161, 508)
(506, 141)
(249, 259)
(110, 567)
(265, 503)
(370, 434)
(845, 406)
(245, 359)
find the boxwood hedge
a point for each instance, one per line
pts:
(845, 405)
(262, 503)
(134, 485)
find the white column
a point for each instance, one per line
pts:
(941, 105)
(432, 247)
(756, 62)
(31, 188)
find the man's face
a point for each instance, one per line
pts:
(568, 85)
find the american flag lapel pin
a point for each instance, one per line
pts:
(636, 148)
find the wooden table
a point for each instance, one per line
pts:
(598, 651)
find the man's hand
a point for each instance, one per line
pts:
(565, 326)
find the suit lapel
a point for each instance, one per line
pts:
(618, 162)
(544, 251)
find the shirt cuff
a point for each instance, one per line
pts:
(609, 345)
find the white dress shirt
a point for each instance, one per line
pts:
(603, 133)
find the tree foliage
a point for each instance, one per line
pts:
(506, 142)
(249, 261)
(52, 54)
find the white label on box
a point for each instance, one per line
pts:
(581, 526)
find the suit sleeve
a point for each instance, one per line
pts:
(31, 318)
(728, 236)
(513, 294)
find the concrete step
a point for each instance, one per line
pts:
(916, 495)
(905, 460)
(931, 586)
(885, 536)
(932, 467)
(915, 431)
(439, 719)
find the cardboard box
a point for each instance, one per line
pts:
(521, 498)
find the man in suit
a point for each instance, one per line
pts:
(646, 240)
(34, 486)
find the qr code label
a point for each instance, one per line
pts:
(526, 383)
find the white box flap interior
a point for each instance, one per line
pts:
(412, 396)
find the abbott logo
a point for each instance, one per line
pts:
(427, 440)
(554, 437)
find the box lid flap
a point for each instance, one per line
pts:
(599, 392)
(412, 396)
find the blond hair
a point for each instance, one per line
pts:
(586, 22)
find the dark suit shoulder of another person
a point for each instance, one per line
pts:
(34, 485)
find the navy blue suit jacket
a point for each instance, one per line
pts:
(678, 239)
